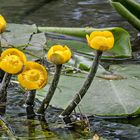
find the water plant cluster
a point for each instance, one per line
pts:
(33, 76)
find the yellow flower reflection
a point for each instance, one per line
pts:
(101, 40)
(34, 76)
(2, 24)
(12, 61)
(59, 54)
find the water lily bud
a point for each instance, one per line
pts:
(12, 61)
(34, 76)
(101, 40)
(2, 24)
(59, 54)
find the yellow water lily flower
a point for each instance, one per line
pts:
(34, 76)
(2, 24)
(101, 40)
(58, 54)
(12, 61)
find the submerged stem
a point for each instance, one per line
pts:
(31, 97)
(30, 104)
(4, 85)
(5, 128)
(1, 72)
(78, 97)
(53, 86)
(3, 92)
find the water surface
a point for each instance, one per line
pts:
(67, 13)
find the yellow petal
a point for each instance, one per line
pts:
(57, 58)
(13, 51)
(34, 76)
(57, 48)
(50, 52)
(101, 40)
(59, 54)
(27, 84)
(88, 38)
(11, 64)
(99, 43)
(33, 65)
(12, 61)
(110, 42)
(53, 49)
(67, 53)
(95, 34)
(2, 24)
(107, 34)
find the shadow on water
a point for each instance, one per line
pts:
(68, 13)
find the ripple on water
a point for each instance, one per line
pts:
(113, 130)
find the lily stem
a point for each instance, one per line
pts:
(78, 97)
(31, 97)
(30, 104)
(3, 91)
(1, 72)
(53, 86)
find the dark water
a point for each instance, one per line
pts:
(65, 13)
(54, 128)
(68, 13)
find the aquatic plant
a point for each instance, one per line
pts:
(129, 9)
(58, 55)
(12, 61)
(100, 41)
(34, 76)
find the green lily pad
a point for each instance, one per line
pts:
(36, 48)
(104, 97)
(129, 9)
(25, 38)
(121, 49)
(18, 35)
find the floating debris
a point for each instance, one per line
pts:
(111, 76)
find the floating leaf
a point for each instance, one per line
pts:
(121, 49)
(18, 35)
(26, 38)
(129, 9)
(104, 97)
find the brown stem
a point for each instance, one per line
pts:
(31, 97)
(78, 97)
(1, 71)
(3, 92)
(53, 86)
(30, 104)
